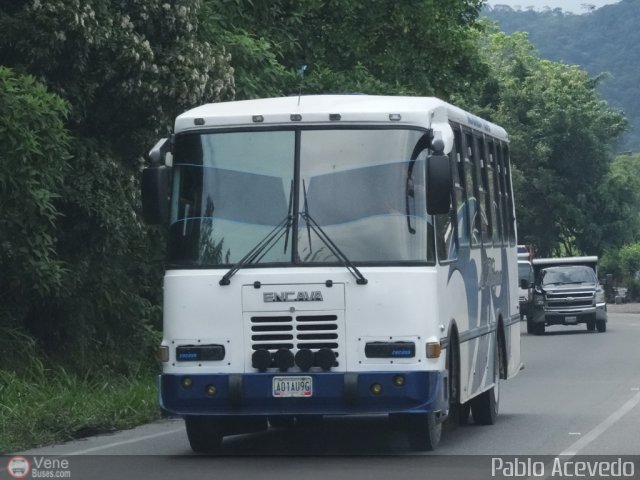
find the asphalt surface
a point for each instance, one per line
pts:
(579, 394)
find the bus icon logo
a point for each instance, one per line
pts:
(18, 467)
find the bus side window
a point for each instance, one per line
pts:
(460, 191)
(486, 224)
(493, 193)
(446, 236)
(471, 187)
(503, 196)
(509, 194)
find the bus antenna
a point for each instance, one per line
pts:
(301, 71)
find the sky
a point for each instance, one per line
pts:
(573, 6)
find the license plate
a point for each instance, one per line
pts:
(570, 319)
(284, 387)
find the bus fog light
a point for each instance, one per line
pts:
(186, 382)
(376, 389)
(399, 380)
(261, 359)
(304, 359)
(325, 358)
(211, 390)
(433, 350)
(283, 359)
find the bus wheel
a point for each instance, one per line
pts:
(424, 431)
(458, 412)
(602, 325)
(484, 408)
(204, 433)
(464, 412)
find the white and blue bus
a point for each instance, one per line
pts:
(334, 255)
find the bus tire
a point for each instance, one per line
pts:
(601, 325)
(424, 431)
(484, 408)
(458, 412)
(204, 433)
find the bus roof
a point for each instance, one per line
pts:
(332, 109)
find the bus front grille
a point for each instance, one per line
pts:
(295, 332)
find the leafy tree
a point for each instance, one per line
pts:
(34, 160)
(125, 69)
(561, 138)
(382, 46)
(619, 215)
(600, 42)
(624, 265)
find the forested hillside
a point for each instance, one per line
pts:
(603, 41)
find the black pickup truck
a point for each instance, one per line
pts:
(567, 292)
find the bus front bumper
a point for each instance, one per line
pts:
(332, 394)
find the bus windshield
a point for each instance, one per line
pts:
(363, 187)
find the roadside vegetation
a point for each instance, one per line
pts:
(86, 88)
(43, 402)
(53, 405)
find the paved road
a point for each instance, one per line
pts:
(578, 395)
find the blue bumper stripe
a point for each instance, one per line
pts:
(333, 394)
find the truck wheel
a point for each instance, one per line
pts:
(591, 325)
(602, 325)
(538, 328)
(204, 433)
(530, 327)
(424, 431)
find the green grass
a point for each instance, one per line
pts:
(46, 406)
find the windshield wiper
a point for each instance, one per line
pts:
(289, 213)
(262, 247)
(266, 244)
(333, 248)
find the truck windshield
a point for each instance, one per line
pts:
(363, 187)
(567, 275)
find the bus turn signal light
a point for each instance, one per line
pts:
(433, 350)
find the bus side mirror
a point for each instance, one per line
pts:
(155, 194)
(438, 184)
(155, 185)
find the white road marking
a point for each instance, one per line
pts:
(125, 442)
(602, 427)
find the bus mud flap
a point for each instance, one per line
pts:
(235, 390)
(351, 388)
